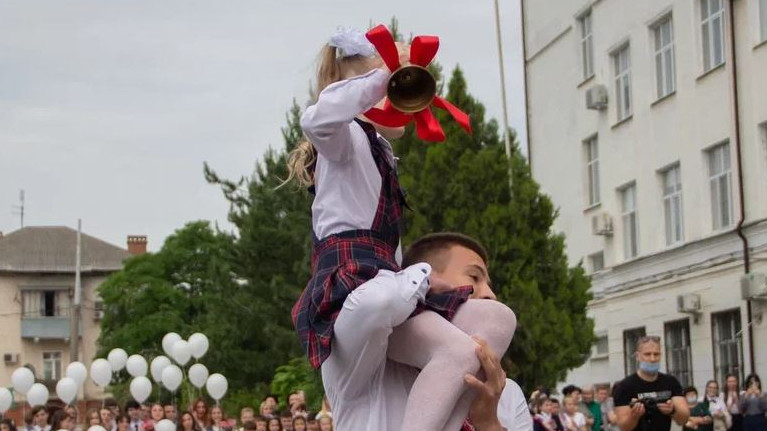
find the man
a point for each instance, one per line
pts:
(134, 413)
(606, 406)
(246, 415)
(312, 424)
(366, 391)
(286, 419)
(107, 419)
(170, 412)
(593, 407)
(649, 399)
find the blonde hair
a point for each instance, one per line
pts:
(330, 69)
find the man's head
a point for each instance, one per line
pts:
(587, 395)
(602, 394)
(261, 423)
(312, 424)
(286, 418)
(246, 415)
(134, 410)
(691, 394)
(170, 412)
(107, 417)
(554, 406)
(648, 355)
(456, 258)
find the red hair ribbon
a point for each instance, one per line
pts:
(422, 52)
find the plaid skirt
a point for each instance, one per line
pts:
(341, 263)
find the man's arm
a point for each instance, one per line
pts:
(627, 417)
(677, 408)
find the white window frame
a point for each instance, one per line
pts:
(621, 59)
(630, 338)
(595, 258)
(679, 351)
(719, 164)
(673, 207)
(665, 61)
(630, 221)
(586, 24)
(51, 366)
(727, 344)
(592, 170)
(712, 23)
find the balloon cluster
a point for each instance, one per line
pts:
(162, 370)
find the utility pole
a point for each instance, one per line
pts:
(74, 321)
(19, 209)
(506, 138)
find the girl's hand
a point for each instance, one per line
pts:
(438, 285)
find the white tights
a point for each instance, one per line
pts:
(445, 353)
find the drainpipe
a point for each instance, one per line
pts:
(527, 96)
(741, 192)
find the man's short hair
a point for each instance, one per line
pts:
(647, 339)
(689, 389)
(246, 410)
(249, 426)
(261, 419)
(554, 400)
(429, 247)
(132, 404)
(286, 414)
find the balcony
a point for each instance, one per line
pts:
(46, 328)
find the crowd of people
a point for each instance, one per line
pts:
(200, 416)
(592, 408)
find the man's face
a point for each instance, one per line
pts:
(145, 410)
(554, 408)
(648, 352)
(312, 425)
(464, 267)
(287, 424)
(602, 395)
(246, 416)
(134, 413)
(170, 412)
(260, 425)
(588, 395)
(106, 416)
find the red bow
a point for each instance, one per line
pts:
(422, 52)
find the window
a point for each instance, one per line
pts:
(45, 303)
(630, 338)
(728, 348)
(720, 183)
(597, 261)
(712, 32)
(51, 366)
(592, 166)
(763, 20)
(664, 58)
(622, 68)
(601, 348)
(672, 205)
(630, 223)
(678, 353)
(587, 45)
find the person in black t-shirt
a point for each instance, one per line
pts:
(649, 399)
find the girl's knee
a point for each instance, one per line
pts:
(461, 354)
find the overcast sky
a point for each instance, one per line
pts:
(108, 109)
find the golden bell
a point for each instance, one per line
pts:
(411, 88)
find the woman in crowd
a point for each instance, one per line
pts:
(156, 414)
(326, 423)
(187, 423)
(200, 412)
(92, 418)
(217, 420)
(61, 421)
(7, 425)
(38, 419)
(274, 424)
(753, 405)
(299, 423)
(717, 406)
(266, 410)
(732, 401)
(572, 419)
(123, 422)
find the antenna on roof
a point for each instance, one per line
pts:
(19, 209)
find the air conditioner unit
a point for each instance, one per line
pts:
(753, 286)
(602, 224)
(689, 303)
(11, 358)
(596, 97)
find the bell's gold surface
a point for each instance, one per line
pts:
(411, 88)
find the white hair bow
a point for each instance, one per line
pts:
(351, 42)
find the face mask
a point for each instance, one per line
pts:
(692, 400)
(650, 367)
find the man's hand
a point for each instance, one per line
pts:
(637, 410)
(666, 408)
(484, 408)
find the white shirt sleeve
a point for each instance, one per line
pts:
(513, 412)
(327, 123)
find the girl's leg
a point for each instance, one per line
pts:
(445, 353)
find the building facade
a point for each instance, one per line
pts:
(37, 278)
(647, 125)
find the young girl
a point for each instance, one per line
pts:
(356, 217)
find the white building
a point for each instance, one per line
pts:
(37, 278)
(651, 138)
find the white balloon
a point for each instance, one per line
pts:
(181, 352)
(97, 428)
(171, 377)
(37, 395)
(158, 364)
(198, 343)
(22, 379)
(164, 425)
(140, 388)
(101, 372)
(66, 389)
(217, 386)
(78, 372)
(6, 399)
(117, 358)
(168, 341)
(198, 375)
(136, 366)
